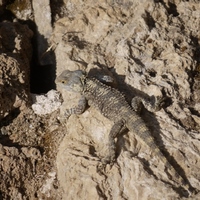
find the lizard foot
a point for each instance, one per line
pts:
(159, 102)
(109, 159)
(153, 104)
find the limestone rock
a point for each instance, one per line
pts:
(149, 48)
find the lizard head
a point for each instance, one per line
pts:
(71, 80)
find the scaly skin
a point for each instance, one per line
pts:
(112, 104)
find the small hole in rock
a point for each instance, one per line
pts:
(152, 74)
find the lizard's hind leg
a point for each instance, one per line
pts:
(152, 105)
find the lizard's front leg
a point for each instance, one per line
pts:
(115, 130)
(79, 109)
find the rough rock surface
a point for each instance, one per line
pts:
(149, 48)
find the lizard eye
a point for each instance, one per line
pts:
(63, 82)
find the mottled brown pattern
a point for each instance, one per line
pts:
(113, 105)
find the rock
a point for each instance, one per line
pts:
(22, 9)
(15, 66)
(22, 135)
(46, 104)
(146, 48)
(42, 18)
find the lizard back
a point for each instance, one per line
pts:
(113, 105)
(109, 101)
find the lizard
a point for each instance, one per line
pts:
(112, 104)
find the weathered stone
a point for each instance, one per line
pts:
(150, 48)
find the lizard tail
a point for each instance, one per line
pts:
(139, 127)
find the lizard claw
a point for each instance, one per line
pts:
(162, 102)
(102, 166)
(67, 113)
(109, 159)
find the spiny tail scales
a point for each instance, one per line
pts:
(139, 127)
